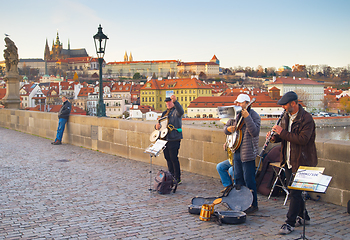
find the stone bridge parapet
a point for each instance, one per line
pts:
(200, 151)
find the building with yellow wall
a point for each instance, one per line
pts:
(154, 91)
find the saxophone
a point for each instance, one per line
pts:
(230, 154)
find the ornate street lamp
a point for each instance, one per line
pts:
(100, 45)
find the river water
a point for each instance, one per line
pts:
(333, 133)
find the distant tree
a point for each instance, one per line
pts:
(327, 101)
(345, 104)
(136, 76)
(202, 75)
(304, 96)
(326, 71)
(345, 75)
(126, 114)
(299, 70)
(76, 77)
(270, 71)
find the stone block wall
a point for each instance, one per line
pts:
(200, 151)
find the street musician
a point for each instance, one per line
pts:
(174, 113)
(247, 129)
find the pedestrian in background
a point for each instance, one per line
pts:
(63, 116)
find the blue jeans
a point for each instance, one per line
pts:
(170, 153)
(61, 124)
(225, 171)
(244, 174)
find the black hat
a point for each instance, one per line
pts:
(168, 99)
(288, 97)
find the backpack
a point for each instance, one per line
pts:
(164, 182)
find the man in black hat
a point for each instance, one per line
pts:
(297, 136)
(174, 113)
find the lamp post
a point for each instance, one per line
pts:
(100, 44)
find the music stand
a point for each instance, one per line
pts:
(309, 179)
(153, 150)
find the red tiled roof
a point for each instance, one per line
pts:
(75, 110)
(84, 92)
(214, 58)
(261, 100)
(121, 87)
(196, 63)
(143, 109)
(135, 89)
(128, 62)
(290, 80)
(274, 88)
(182, 83)
(28, 88)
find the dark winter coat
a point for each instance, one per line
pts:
(65, 110)
(250, 143)
(301, 138)
(175, 119)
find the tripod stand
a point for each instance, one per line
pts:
(153, 150)
(303, 194)
(309, 179)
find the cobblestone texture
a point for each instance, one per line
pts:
(68, 192)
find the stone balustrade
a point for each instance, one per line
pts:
(200, 151)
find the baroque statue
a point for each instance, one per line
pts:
(12, 97)
(11, 56)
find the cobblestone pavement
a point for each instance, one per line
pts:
(68, 192)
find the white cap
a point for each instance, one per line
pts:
(243, 98)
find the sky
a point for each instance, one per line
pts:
(240, 33)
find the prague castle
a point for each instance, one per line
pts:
(57, 52)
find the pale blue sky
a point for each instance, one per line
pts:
(246, 33)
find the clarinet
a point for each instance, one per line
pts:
(268, 141)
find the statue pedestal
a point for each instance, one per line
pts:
(12, 98)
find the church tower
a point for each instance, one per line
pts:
(47, 52)
(125, 57)
(56, 49)
(130, 58)
(215, 60)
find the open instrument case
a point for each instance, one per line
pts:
(237, 201)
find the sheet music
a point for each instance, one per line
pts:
(156, 147)
(311, 179)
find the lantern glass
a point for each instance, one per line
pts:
(100, 40)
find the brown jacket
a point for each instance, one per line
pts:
(301, 138)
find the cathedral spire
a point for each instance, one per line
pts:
(57, 39)
(130, 58)
(125, 57)
(47, 51)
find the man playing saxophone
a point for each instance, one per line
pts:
(244, 156)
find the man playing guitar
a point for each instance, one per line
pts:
(246, 152)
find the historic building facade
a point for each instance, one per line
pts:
(154, 92)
